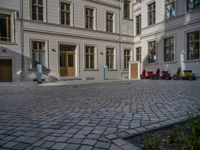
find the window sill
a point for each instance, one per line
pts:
(91, 69)
(192, 61)
(125, 70)
(38, 21)
(192, 11)
(112, 70)
(170, 62)
(8, 43)
(126, 18)
(152, 63)
(90, 29)
(34, 69)
(151, 25)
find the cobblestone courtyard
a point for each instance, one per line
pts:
(94, 116)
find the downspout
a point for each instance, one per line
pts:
(22, 38)
(120, 68)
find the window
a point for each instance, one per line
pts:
(110, 58)
(151, 13)
(127, 57)
(152, 52)
(193, 45)
(169, 49)
(192, 4)
(38, 53)
(89, 22)
(89, 57)
(5, 27)
(127, 9)
(37, 10)
(170, 9)
(65, 13)
(138, 24)
(138, 54)
(109, 22)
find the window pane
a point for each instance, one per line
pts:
(70, 60)
(38, 53)
(40, 14)
(126, 8)
(193, 45)
(5, 27)
(89, 18)
(40, 2)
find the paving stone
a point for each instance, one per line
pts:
(59, 146)
(84, 147)
(72, 147)
(101, 114)
(48, 144)
(104, 145)
(75, 141)
(89, 142)
(120, 142)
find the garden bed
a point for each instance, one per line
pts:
(181, 136)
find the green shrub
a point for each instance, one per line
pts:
(194, 126)
(193, 144)
(153, 143)
(174, 135)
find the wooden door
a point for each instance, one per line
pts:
(5, 70)
(67, 61)
(134, 71)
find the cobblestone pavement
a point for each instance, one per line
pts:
(95, 116)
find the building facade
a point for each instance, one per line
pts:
(77, 38)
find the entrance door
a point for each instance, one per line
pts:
(5, 70)
(67, 60)
(134, 71)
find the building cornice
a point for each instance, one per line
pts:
(77, 28)
(103, 3)
(73, 35)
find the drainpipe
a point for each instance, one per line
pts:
(120, 68)
(22, 38)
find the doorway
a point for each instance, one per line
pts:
(5, 70)
(67, 60)
(134, 71)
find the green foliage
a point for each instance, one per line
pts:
(193, 144)
(174, 135)
(193, 141)
(194, 126)
(153, 143)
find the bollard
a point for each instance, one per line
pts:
(39, 73)
(105, 72)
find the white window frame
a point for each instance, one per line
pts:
(94, 17)
(12, 26)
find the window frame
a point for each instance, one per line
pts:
(10, 26)
(138, 54)
(37, 12)
(127, 16)
(172, 38)
(112, 21)
(93, 18)
(95, 58)
(174, 1)
(187, 48)
(138, 25)
(70, 12)
(112, 55)
(44, 53)
(126, 57)
(151, 13)
(154, 49)
(191, 9)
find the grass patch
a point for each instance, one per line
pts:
(181, 136)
